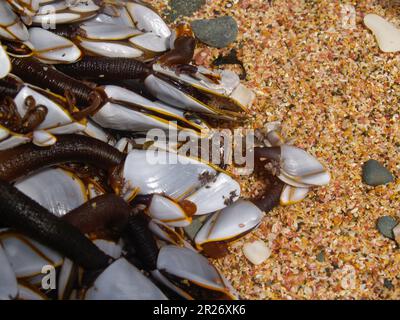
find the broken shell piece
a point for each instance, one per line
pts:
(291, 195)
(387, 34)
(256, 252)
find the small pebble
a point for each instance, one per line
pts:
(387, 34)
(321, 256)
(388, 284)
(219, 32)
(385, 226)
(256, 252)
(375, 174)
(184, 8)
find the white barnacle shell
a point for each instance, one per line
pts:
(5, 64)
(147, 20)
(168, 211)
(26, 256)
(123, 281)
(11, 26)
(300, 169)
(161, 172)
(52, 48)
(230, 223)
(8, 280)
(187, 264)
(57, 190)
(215, 195)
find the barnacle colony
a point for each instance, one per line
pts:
(78, 185)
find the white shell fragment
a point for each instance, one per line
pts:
(387, 34)
(189, 265)
(111, 248)
(123, 281)
(256, 252)
(231, 222)
(160, 172)
(300, 169)
(51, 47)
(57, 190)
(216, 194)
(291, 195)
(8, 280)
(5, 64)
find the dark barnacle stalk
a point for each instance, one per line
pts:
(25, 159)
(21, 213)
(88, 99)
(138, 236)
(106, 68)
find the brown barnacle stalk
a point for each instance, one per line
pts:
(104, 216)
(184, 46)
(9, 116)
(34, 116)
(12, 120)
(271, 198)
